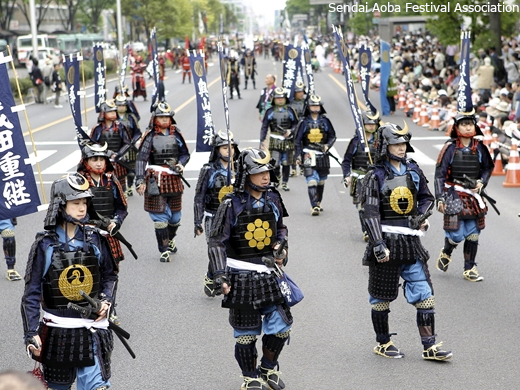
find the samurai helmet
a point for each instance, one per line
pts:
(391, 134)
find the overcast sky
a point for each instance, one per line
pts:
(265, 9)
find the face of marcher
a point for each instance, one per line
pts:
(314, 109)
(370, 128)
(224, 151)
(77, 208)
(163, 121)
(298, 95)
(398, 150)
(269, 80)
(261, 179)
(466, 128)
(97, 163)
(279, 101)
(111, 116)
(121, 109)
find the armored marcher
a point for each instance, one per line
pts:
(69, 257)
(130, 121)
(111, 131)
(248, 63)
(396, 200)
(356, 160)
(281, 121)
(160, 162)
(298, 103)
(233, 77)
(266, 96)
(247, 227)
(463, 169)
(9, 244)
(314, 138)
(211, 188)
(131, 105)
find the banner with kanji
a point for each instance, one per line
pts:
(17, 182)
(308, 70)
(156, 74)
(385, 75)
(291, 65)
(71, 64)
(365, 63)
(124, 65)
(464, 103)
(222, 65)
(100, 85)
(345, 60)
(205, 127)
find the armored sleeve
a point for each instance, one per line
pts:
(31, 298)
(330, 131)
(424, 196)
(219, 236)
(441, 168)
(184, 153)
(95, 133)
(200, 194)
(370, 214)
(107, 268)
(298, 137)
(265, 124)
(347, 158)
(143, 155)
(121, 206)
(281, 228)
(294, 119)
(487, 165)
(135, 130)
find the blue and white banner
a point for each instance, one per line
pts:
(291, 64)
(345, 60)
(221, 25)
(385, 75)
(308, 70)
(205, 127)
(100, 84)
(464, 103)
(71, 65)
(156, 74)
(17, 183)
(365, 63)
(124, 65)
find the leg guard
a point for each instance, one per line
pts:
(470, 251)
(9, 249)
(319, 191)
(286, 171)
(444, 259)
(312, 190)
(272, 345)
(449, 246)
(245, 355)
(246, 85)
(426, 321)
(161, 233)
(380, 322)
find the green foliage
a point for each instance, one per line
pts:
(25, 85)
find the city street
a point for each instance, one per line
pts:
(182, 338)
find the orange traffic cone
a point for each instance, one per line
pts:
(423, 117)
(417, 111)
(499, 167)
(513, 167)
(402, 100)
(451, 115)
(410, 103)
(488, 138)
(435, 120)
(337, 68)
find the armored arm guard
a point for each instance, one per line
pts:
(200, 193)
(107, 268)
(184, 153)
(143, 156)
(265, 125)
(370, 214)
(330, 131)
(347, 158)
(487, 164)
(298, 139)
(219, 235)
(441, 169)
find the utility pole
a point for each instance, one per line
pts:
(34, 32)
(119, 30)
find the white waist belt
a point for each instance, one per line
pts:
(245, 266)
(160, 168)
(276, 136)
(305, 150)
(402, 230)
(476, 195)
(70, 323)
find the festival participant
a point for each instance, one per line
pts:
(69, 257)
(160, 162)
(395, 198)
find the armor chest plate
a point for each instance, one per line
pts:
(465, 162)
(216, 193)
(112, 138)
(164, 147)
(315, 133)
(298, 106)
(280, 118)
(103, 200)
(398, 198)
(360, 158)
(253, 235)
(69, 273)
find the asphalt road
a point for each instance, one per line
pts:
(182, 338)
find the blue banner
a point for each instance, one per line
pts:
(205, 127)
(291, 64)
(156, 74)
(345, 60)
(124, 65)
(308, 70)
(464, 103)
(365, 63)
(100, 85)
(385, 75)
(72, 79)
(17, 183)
